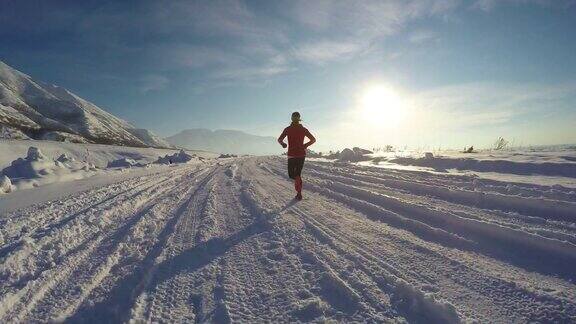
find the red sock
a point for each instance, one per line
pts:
(298, 184)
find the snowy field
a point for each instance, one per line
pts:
(547, 165)
(223, 241)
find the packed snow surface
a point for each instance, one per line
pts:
(223, 241)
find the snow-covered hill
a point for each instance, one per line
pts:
(225, 141)
(33, 109)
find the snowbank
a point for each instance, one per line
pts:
(545, 165)
(567, 169)
(96, 154)
(36, 169)
(180, 157)
(34, 165)
(48, 162)
(124, 163)
(354, 154)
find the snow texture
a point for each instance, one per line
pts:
(223, 241)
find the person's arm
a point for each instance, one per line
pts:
(311, 138)
(282, 137)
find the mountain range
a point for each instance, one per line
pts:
(37, 110)
(225, 141)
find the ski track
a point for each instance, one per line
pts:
(225, 242)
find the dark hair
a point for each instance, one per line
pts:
(295, 114)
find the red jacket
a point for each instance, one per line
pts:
(296, 134)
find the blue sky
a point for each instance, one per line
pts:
(430, 73)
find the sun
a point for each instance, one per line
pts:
(382, 105)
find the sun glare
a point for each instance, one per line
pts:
(381, 104)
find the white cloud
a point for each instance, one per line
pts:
(326, 51)
(349, 28)
(488, 5)
(250, 73)
(153, 83)
(422, 36)
(232, 39)
(482, 104)
(367, 18)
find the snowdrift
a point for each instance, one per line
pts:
(180, 157)
(499, 166)
(36, 169)
(125, 163)
(99, 155)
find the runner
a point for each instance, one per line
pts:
(296, 150)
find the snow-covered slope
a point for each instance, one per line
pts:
(45, 111)
(225, 141)
(223, 241)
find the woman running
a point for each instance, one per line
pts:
(296, 150)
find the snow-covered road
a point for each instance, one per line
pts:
(224, 241)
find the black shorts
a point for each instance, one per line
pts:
(295, 166)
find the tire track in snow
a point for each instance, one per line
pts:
(190, 288)
(67, 241)
(125, 288)
(227, 244)
(44, 225)
(156, 293)
(407, 301)
(449, 181)
(542, 208)
(467, 277)
(556, 303)
(34, 291)
(560, 255)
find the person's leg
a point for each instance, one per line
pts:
(291, 168)
(299, 164)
